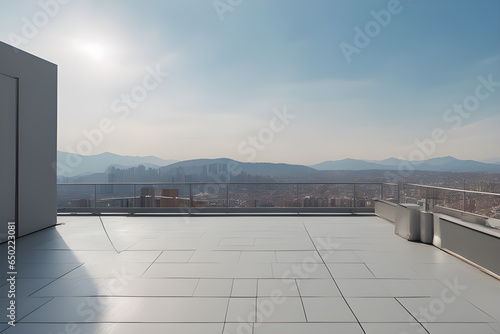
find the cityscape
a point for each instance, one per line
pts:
(214, 184)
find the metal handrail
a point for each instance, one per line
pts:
(453, 189)
(230, 183)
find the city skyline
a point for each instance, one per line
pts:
(276, 81)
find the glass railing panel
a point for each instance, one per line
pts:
(75, 196)
(209, 195)
(326, 195)
(390, 192)
(483, 204)
(115, 196)
(270, 195)
(164, 195)
(366, 194)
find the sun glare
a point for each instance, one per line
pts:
(94, 51)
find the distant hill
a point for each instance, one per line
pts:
(493, 161)
(74, 164)
(442, 164)
(389, 162)
(257, 168)
(347, 164)
(77, 165)
(450, 164)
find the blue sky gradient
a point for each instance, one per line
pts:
(227, 76)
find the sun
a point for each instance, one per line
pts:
(94, 51)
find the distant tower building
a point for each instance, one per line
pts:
(180, 175)
(148, 197)
(311, 201)
(333, 201)
(141, 170)
(212, 168)
(470, 205)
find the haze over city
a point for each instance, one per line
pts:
(279, 81)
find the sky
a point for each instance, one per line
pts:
(293, 81)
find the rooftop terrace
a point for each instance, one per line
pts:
(244, 274)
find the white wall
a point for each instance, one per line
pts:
(36, 81)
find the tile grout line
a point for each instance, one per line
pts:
(334, 281)
(145, 271)
(191, 256)
(256, 303)
(301, 300)
(55, 279)
(411, 314)
(36, 309)
(227, 307)
(107, 235)
(368, 268)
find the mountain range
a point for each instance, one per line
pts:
(260, 168)
(493, 161)
(442, 164)
(74, 165)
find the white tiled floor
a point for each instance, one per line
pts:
(214, 287)
(327, 309)
(244, 275)
(131, 309)
(459, 328)
(309, 328)
(349, 270)
(280, 309)
(244, 288)
(451, 309)
(394, 328)
(317, 288)
(267, 287)
(241, 310)
(238, 328)
(379, 310)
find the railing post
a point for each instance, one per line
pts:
(381, 191)
(426, 206)
(354, 195)
(399, 191)
(227, 195)
(465, 204)
(135, 195)
(190, 196)
(95, 196)
(297, 196)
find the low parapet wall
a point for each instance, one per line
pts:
(466, 235)
(386, 210)
(474, 242)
